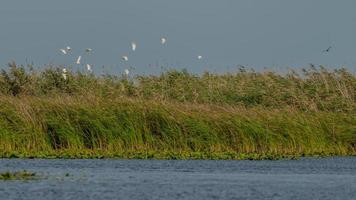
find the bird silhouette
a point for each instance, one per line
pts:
(327, 50)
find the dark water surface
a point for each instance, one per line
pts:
(327, 178)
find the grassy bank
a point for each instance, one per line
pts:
(177, 115)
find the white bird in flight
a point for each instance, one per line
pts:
(163, 40)
(88, 50)
(125, 58)
(68, 48)
(63, 51)
(127, 72)
(200, 57)
(89, 68)
(133, 46)
(78, 60)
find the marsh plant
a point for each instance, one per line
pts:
(176, 114)
(20, 175)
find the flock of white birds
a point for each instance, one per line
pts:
(88, 51)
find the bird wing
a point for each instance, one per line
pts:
(78, 60)
(328, 49)
(63, 51)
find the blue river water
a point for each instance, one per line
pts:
(308, 178)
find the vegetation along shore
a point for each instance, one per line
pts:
(177, 115)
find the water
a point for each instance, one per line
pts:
(329, 178)
(274, 33)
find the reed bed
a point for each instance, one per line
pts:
(177, 115)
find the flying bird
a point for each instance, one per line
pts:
(200, 57)
(133, 46)
(63, 51)
(78, 60)
(89, 68)
(163, 40)
(327, 50)
(88, 50)
(68, 48)
(127, 72)
(125, 58)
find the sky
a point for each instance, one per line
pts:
(226, 33)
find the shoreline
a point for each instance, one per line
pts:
(167, 155)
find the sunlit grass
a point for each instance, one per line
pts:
(177, 115)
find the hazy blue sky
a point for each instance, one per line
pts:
(260, 33)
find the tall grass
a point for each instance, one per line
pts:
(177, 114)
